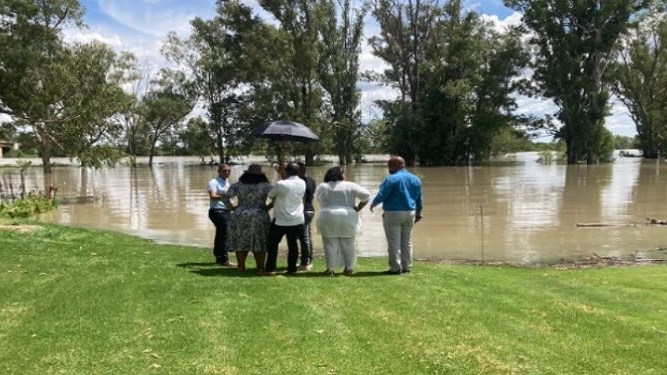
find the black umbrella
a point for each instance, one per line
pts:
(285, 131)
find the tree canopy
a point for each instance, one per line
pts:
(457, 77)
(574, 44)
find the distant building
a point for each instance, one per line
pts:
(6, 146)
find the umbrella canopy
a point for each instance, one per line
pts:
(285, 131)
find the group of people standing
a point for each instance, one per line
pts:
(240, 213)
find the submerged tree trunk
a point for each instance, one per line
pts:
(45, 150)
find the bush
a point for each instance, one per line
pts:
(32, 204)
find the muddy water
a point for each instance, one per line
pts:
(520, 211)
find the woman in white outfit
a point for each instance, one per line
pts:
(338, 222)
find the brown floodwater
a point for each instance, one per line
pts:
(517, 211)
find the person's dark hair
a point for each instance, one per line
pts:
(253, 178)
(292, 169)
(334, 174)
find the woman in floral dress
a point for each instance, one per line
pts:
(249, 221)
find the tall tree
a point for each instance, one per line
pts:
(455, 76)
(639, 79)
(573, 42)
(164, 108)
(469, 77)
(297, 81)
(134, 140)
(64, 94)
(195, 138)
(405, 30)
(339, 72)
(213, 57)
(91, 98)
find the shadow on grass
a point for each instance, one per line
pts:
(212, 269)
(198, 264)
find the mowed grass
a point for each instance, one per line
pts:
(76, 301)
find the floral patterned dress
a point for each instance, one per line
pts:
(249, 222)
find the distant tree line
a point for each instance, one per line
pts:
(457, 77)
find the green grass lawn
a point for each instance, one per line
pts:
(75, 301)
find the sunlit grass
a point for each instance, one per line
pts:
(79, 301)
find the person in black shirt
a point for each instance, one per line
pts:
(305, 242)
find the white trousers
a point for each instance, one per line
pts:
(398, 230)
(339, 250)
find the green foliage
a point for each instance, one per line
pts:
(99, 156)
(456, 77)
(292, 64)
(164, 108)
(196, 139)
(223, 58)
(546, 157)
(510, 141)
(639, 79)
(573, 42)
(340, 45)
(66, 94)
(399, 128)
(624, 143)
(30, 205)
(606, 149)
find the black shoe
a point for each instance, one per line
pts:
(390, 272)
(405, 271)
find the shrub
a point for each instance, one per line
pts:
(31, 204)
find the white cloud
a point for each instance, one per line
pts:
(145, 49)
(501, 25)
(370, 62)
(152, 17)
(87, 36)
(620, 122)
(528, 105)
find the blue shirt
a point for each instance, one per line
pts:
(400, 191)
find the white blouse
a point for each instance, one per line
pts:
(337, 199)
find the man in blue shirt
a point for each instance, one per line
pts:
(219, 214)
(401, 197)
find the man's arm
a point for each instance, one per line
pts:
(419, 203)
(310, 191)
(213, 192)
(381, 195)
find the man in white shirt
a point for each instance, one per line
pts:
(288, 218)
(219, 214)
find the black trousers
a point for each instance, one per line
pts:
(306, 240)
(276, 233)
(220, 219)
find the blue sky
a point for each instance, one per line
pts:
(140, 27)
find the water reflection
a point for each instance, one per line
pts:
(521, 212)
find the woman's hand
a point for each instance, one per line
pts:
(360, 206)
